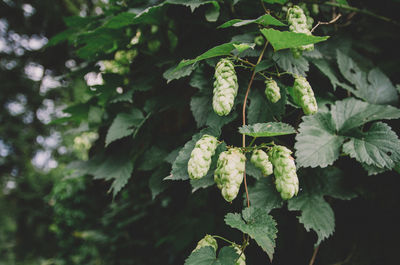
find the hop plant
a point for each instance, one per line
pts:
(304, 95)
(260, 159)
(125, 57)
(242, 258)
(229, 172)
(299, 23)
(205, 242)
(286, 180)
(200, 158)
(225, 87)
(272, 90)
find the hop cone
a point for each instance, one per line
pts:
(304, 95)
(286, 180)
(229, 173)
(260, 159)
(299, 23)
(272, 91)
(205, 242)
(225, 87)
(242, 258)
(200, 158)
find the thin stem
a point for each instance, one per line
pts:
(326, 23)
(363, 11)
(252, 141)
(246, 62)
(314, 256)
(244, 116)
(223, 238)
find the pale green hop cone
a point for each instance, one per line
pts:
(260, 159)
(304, 95)
(205, 242)
(229, 173)
(225, 87)
(286, 181)
(299, 23)
(272, 91)
(200, 158)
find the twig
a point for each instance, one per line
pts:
(327, 23)
(244, 115)
(363, 11)
(314, 256)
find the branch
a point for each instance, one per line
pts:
(326, 23)
(244, 115)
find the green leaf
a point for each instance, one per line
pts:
(264, 20)
(152, 158)
(212, 12)
(379, 89)
(220, 50)
(150, 15)
(116, 167)
(263, 195)
(179, 167)
(267, 129)
(252, 170)
(126, 97)
(351, 113)
(285, 39)
(193, 4)
(286, 61)
(177, 73)
(258, 225)
(263, 65)
(281, 2)
(350, 70)
(316, 214)
(203, 113)
(317, 143)
(326, 69)
(262, 110)
(156, 183)
(124, 124)
(206, 256)
(379, 146)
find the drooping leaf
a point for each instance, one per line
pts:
(317, 143)
(264, 65)
(258, 225)
(124, 124)
(179, 167)
(207, 256)
(379, 146)
(264, 195)
(264, 20)
(152, 158)
(379, 89)
(316, 214)
(126, 97)
(286, 61)
(327, 70)
(116, 167)
(351, 113)
(156, 183)
(350, 70)
(285, 39)
(267, 129)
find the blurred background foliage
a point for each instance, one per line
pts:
(51, 213)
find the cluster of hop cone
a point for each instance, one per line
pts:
(231, 164)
